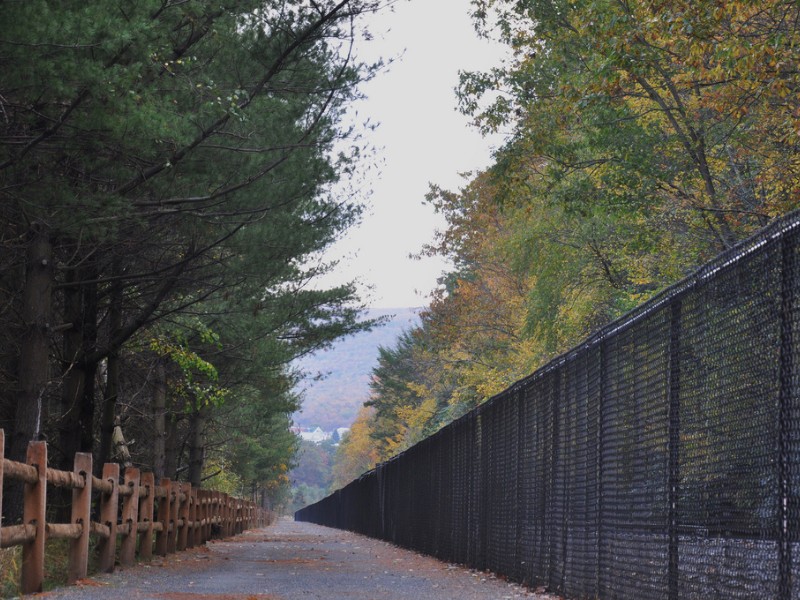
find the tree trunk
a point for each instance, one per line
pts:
(34, 357)
(197, 446)
(77, 417)
(108, 420)
(121, 453)
(171, 446)
(159, 418)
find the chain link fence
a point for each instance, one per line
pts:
(660, 459)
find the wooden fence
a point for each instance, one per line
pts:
(163, 518)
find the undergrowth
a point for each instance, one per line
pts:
(56, 564)
(10, 565)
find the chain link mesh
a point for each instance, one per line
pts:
(660, 459)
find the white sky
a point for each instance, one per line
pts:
(421, 139)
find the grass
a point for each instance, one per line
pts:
(10, 567)
(56, 563)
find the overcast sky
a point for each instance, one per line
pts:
(421, 139)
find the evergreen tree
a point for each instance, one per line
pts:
(160, 159)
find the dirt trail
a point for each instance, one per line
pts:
(295, 561)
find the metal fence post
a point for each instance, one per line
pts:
(552, 527)
(81, 513)
(483, 496)
(523, 561)
(601, 402)
(674, 382)
(786, 396)
(34, 514)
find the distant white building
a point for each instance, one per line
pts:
(317, 435)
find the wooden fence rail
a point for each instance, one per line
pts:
(163, 518)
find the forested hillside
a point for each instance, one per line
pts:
(168, 171)
(645, 138)
(337, 379)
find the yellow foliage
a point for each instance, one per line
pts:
(357, 452)
(220, 476)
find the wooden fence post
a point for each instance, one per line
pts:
(237, 515)
(164, 513)
(199, 517)
(220, 508)
(175, 500)
(219, 515)
(108, 517)
(222, 517)
(146, 504)
(212, 513)
(231, 516)
(194, 529)
(34, 514)
(81, 513)
(208, 514)
(198, 498)
(130, 515)
(205, 506)
(223, 504)
(227, 512)
(184, 490)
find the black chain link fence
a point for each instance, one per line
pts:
(659, 459)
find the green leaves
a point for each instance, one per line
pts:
(185, 152)
(644, 137)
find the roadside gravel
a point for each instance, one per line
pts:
(295, 561)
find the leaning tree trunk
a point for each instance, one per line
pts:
(34, 357)
(108, 418)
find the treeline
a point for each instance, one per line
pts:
(644, 138)
(167, 173)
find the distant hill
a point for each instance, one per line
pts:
(334, 400)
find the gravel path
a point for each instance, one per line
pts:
(295, 561)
